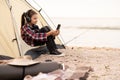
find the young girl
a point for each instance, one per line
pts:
(34, 36)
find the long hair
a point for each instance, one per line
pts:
(23, 20)
(29, 13)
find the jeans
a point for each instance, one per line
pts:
(50, 43)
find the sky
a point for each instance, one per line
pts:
(80, 8)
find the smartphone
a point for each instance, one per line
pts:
(58, 27)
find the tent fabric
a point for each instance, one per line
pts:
(7, 47)
(10, 21)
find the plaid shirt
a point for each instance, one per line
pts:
(31, 34)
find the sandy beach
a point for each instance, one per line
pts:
(103, 61)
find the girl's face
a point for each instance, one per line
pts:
(34, 19)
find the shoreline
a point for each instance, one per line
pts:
(88, 47)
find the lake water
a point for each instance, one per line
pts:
(75, 36)
(91, 37)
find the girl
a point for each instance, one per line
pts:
(34, 36)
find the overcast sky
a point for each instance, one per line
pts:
(80, 8)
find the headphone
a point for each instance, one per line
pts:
(28, 19)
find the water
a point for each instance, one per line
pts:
(88, 22)
(91, 38)
(73, 35)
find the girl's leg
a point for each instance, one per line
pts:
(50, 43)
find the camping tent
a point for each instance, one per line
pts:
(11, 43)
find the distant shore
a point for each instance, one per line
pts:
(95, 28)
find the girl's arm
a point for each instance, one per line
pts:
(36, 36)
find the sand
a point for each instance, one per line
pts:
(104, 61)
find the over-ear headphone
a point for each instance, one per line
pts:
(28, 19)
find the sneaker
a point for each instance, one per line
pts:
(60, 54)
(56, 52)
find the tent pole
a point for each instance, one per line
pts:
(47, 22)
(16, 35)
(50, 20)
(55, 26)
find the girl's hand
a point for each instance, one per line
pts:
(53, 33)
(56, 33)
